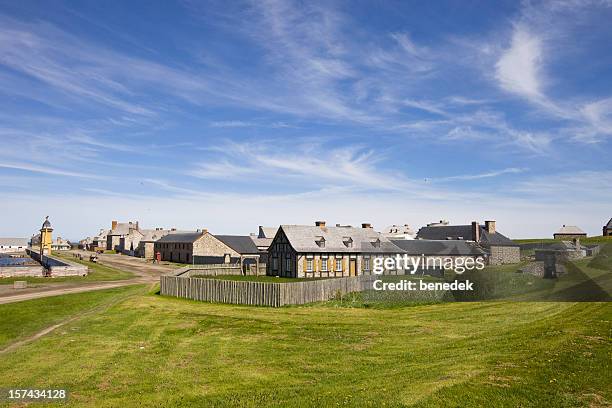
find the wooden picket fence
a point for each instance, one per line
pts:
(261, 293)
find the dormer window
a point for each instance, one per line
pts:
(348, 242)
(376, 243)
(320, 241)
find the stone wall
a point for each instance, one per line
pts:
(59, 267)
(501, 255)
(18, 271)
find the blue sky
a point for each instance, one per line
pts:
(230, 115)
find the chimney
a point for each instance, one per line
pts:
(476, 231)
(320, 224)
(204, 231)
(113, 225)
(137, 229)
(490, 227)
(366, 225)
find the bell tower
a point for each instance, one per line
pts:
(45, 237)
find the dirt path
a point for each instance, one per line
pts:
(46, 292)
(146, 273)
(138, 266)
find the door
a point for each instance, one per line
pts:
(352, 267)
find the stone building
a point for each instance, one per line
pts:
(60, 244)
(146, 246)
(98, 243)
(607, 229)
(499, 248)
(128, 231)
(569, 232)
(13, 245)
(201, 247)
(303, 251)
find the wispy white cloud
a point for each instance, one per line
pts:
(309, 165)
(519, 67)
(489, 174)
(231, 124)
(47, 170)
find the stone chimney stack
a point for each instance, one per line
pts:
(366, 225)
(204, 231)
(475, 231)
(113, 225)
(320, 224)
(490, 227)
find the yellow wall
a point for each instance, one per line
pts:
(45, 240)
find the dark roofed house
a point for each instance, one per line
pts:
(499, 248)
(304, 251)
(607, 229)
(242, 244)
(201, 247)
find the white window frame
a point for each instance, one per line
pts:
(324, 263)
(338, 262)
(366, 263)
(288, 264)
(309, 264)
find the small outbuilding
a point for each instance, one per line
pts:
(569, 232)
(607, 229)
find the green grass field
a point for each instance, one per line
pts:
(130, 347)
(97, 272)
(588, 240)
(22, 319)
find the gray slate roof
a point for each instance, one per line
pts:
(152, 235)
(122, 228)
(464, 232)
(243, 244)
(267, 232)
(429, 247)
(303, 238)
(609, 224)
(262, 242)
(570, 230)
(181, 238)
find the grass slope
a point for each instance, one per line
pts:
(22, 319)
(157, 351)
(589, 240)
